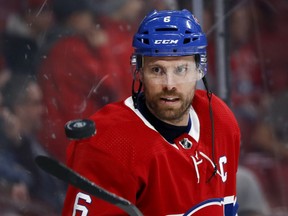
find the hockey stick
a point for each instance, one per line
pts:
(68, 175)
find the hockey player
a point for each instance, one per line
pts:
(170, 149)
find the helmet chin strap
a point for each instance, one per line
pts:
(209, 95)
(135, 94)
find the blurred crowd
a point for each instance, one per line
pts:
(64, 59)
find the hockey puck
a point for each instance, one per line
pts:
(80, 129)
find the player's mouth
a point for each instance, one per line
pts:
(170, 100)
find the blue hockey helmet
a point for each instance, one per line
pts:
(170, 33)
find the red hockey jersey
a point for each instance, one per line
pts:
(128, 157)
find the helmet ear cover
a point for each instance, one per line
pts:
(197, 60)
(136, 62)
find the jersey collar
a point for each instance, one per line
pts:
(195, 123)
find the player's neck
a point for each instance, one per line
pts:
(168, 131)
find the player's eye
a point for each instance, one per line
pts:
(157, 70)
(181, 70)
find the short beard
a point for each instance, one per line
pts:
(170, 114)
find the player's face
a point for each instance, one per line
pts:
(169, 87)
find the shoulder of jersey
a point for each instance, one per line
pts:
(219, 107)
(115, 114)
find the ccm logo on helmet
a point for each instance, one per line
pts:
(166, 41)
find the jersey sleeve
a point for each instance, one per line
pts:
(102, 168)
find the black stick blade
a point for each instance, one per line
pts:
(68, 175)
